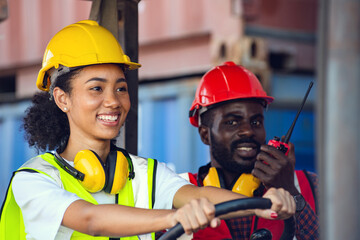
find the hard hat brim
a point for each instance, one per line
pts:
(41, 75)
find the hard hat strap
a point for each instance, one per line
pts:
(201, 110)
(54, 73)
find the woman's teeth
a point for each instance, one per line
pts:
(108, 118)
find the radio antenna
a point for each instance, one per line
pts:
(288, 134)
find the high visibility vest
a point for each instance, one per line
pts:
(11, 221)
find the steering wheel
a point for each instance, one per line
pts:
(235, 205)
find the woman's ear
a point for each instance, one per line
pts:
(204, 134)
(61, 99)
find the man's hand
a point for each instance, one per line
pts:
(275, 169)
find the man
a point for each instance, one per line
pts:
(228, 111)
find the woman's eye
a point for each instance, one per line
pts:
(96, 88)
(122, 89)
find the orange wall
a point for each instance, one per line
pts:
(30, 25)
(295, 15)
(176, 37)
(27, 30)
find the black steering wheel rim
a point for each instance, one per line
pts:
(236, 205)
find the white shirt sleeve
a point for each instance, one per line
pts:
(43, 203)
(167, 184)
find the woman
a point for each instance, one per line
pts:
(108, 192)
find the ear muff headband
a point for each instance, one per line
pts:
(68, 168)
(118, 172)
(110, 168)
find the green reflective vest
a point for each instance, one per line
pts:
(11, 221)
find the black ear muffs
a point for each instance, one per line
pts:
(246, 184)
(94, 175)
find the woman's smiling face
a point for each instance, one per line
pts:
(98, 103)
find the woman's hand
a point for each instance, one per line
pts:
(195, 215)
(283, 205)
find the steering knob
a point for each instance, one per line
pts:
(261, 234)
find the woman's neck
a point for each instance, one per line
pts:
(102, 148)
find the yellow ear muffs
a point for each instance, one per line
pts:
(88, 162)
(118, 172)
(214, 178)
(94, 175)
(246, 184)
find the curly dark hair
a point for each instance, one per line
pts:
(46, 126)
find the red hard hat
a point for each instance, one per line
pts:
(226, 82)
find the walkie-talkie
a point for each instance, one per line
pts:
(283, 145)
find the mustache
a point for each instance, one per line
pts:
(245, 140)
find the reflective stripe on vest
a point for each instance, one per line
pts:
(11, 221)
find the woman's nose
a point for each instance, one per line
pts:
(112, 100)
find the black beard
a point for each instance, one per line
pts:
(225, 157)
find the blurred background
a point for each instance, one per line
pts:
(179, 40)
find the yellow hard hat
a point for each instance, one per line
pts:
(80, 44)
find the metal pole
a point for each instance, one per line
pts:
(320, 109)
(3, 10)
(121, 18)
(339, 118)
(129, 39)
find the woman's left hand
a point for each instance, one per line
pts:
(283, 205)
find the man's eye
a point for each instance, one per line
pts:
(256, 123)
(231, 122)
